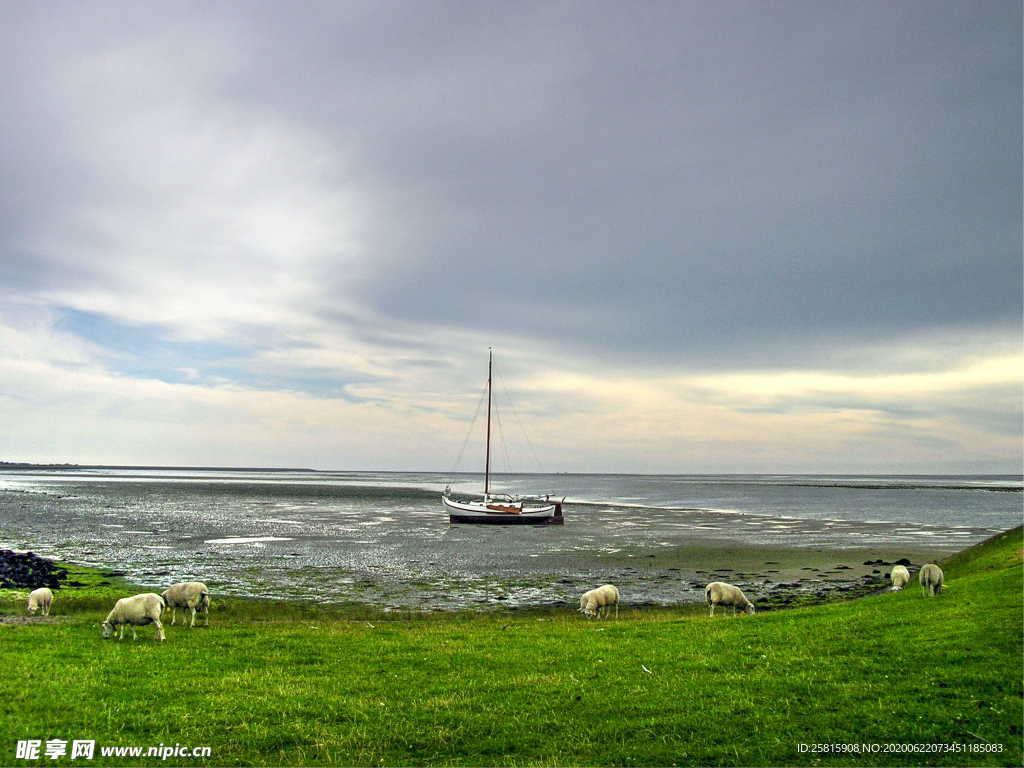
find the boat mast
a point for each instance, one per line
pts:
(487, 461)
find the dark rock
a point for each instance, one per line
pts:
(28, 570)
(902, 561)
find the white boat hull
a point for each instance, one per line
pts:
(501, 512)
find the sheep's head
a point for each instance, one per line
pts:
(108, 629)
(33, 606)
(750, 608)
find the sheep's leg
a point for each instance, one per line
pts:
(712, 609)
(173, 610)
(616, 610)
(160, 631)
(121, 636)
(135, 635)
(193, 609)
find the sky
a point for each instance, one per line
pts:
(700, 237)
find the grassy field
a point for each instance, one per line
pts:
(301, 684)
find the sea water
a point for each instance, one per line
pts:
(382, 538)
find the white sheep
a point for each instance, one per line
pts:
(900, 577)
(931, 579)
(41, 598)
(593, 601)
(136, 611)
(720, 593)
(188, 595)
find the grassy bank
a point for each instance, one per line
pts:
(286, 684)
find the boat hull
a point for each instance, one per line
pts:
(502, 514)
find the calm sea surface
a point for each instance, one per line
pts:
(383, 538)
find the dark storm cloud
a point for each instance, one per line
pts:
(664, 183)
(741, 182)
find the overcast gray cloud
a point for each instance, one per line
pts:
(352, 199)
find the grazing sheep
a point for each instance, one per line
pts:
(931, 579)
(900, 577)
(720, 593)
(135, 611)
(41, 598)
(189, 595)
(593, 601)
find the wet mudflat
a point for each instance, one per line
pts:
(393, 547)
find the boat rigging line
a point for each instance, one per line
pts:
(519, 421)
(469, 432)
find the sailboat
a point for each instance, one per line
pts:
(501, 508)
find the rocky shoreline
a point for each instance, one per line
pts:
(29, 571)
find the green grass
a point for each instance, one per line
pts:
(303, 684)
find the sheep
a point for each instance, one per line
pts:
(41, 598)
(720, 593)
(593, 601)
(190, 595)
(138, 610)
(931, 579)
(900, 577)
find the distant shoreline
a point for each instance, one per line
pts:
(24, 465)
